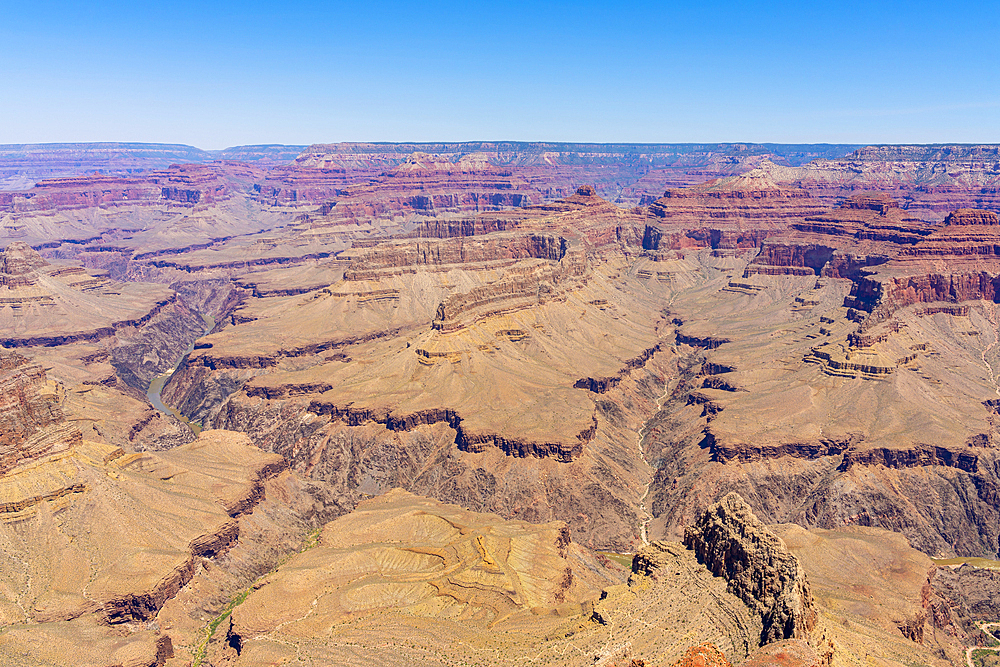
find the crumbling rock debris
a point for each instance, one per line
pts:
(702, 655)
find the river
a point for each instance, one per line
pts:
(156, 386)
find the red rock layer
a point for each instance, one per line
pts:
(887, 252)
(185, 184)
(422, 183)
(26, 414)
(725, 214)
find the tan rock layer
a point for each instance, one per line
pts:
(603, 384)
(464, 440)
(91, 335)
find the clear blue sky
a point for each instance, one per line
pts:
(216, 74)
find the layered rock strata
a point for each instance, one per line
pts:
(441, 580)
(893, 258)
(932, 180)
(42, 304)
(727, 215)
(182, 184)
(816, 422)
(468, 348)
(732, 542)
(31, 419)
(133, 531)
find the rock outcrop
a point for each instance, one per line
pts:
(956, 602)
(931, 180)
(441, 255)
(732, 543)
(32, 424)
(727, 215)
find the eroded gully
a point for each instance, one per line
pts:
(668, 388)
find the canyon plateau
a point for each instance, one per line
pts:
(499, 403)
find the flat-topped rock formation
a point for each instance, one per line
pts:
(47, 304)
(25, 164)
(496, 250)
(178, 185)
(421, 183)
(967, 234)
(932, 180)
(866, 230)
(731, 213)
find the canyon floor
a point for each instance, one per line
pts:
(451, 404)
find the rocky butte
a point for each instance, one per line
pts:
(499, 403)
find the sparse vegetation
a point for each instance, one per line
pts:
(986, 658)
(201, 651)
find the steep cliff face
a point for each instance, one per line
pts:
(725, 214)
(179, 185)
(522, 288)
(43, 304)
(867, 438)
(866, 230)
(451, 454)
(410, 256)
(746, 197)
(32, 424)
(419, 183)
(955, 603)
(893, 259)
(971, 216)
(931, 180)
(732, 542)
(142, 353)
(467, 350)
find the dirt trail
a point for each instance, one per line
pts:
(996, 649)
(990, 313)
